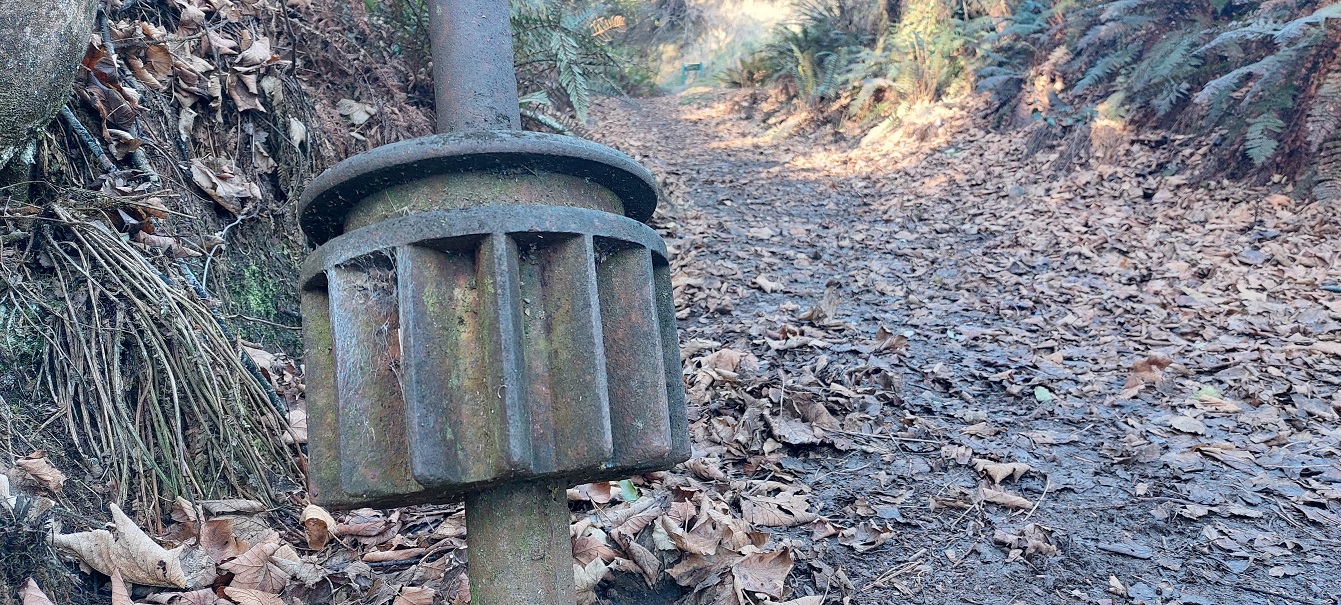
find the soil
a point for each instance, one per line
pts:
(955, 305)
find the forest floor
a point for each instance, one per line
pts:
(996, 383)
(932, 370)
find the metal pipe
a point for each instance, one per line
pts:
(519, 547)
(473, 76)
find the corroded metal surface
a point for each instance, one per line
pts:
(487, 317)
(472, 347)
(329, 199)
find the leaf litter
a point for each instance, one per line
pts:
(912, 374)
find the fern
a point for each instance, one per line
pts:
(1324, 116)
(1169, 58)
(1103, 68)
(1260, 145)
(1298, 27)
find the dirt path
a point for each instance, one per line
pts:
(994, 384)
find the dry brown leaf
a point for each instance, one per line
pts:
(40, 468)
(257, 54)
(999, 471)
(357, 113)
(247, 596)
(592, 545)
(648, 564)
(1144, 372)
(867, 535)
(586, 577)
(414, 595)
(767, 285)
(961, 454)
(1188, 424)
(120, 594)
(129, 549)
(764, 572)
(1004, 498)
(231, 191)
(254, 570)
(204, 596)
(31, 594)
(318, 524)
(403, 554)
(783, 510)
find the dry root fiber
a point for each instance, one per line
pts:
(151, 391)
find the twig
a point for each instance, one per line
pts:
(889, 437)
(264, 321)
(1046, 486)
(86, 138)
(223, 236)
(1268, 591)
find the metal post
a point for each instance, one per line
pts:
(473, 76)
(517, 534)
(520, 551)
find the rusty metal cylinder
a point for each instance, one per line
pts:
(478, 314)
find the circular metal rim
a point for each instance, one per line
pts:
(329, 197)
(484, 220)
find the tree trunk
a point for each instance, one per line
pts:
(41, 43)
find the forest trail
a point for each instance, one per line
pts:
(996, 383)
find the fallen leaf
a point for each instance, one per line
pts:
(120, 594)
(764, 572)
(648, 563)
(414, 595)
(998, 471)
(31, 594)
(318, 524)
(767, 285)
(867, 535)
(247, 596)
(1003, 498)
(586, 577)
(40, 468)
(357, 113)
(254, 570)
(1188, 424)
(139, 559)
(1144, 372)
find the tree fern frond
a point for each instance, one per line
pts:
(1220, 87)
(1300, 26)
(1324, 116)
(1103, 68)
(1256, 30)
(1260, 145)
(1168, 97)
(1168, 58)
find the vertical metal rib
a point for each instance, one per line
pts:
(323, 449)
(639, 413)
(455, 419)
(374, 456)
(565, 370)
(501, 330)
(670, 349)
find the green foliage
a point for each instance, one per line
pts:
(1260, 144)
(848, 55)
(1195, 65)
(1324, 117)
(562, 49)
(558, 52)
